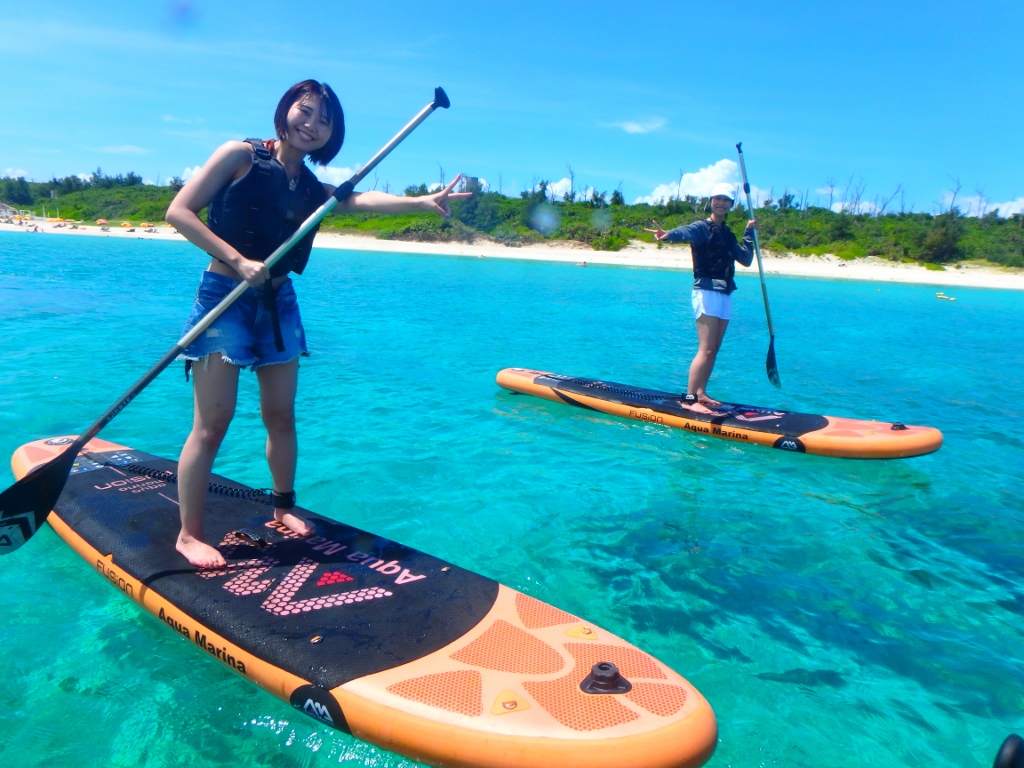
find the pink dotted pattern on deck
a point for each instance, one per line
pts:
(281, 601)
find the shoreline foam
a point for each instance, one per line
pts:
(637, 254)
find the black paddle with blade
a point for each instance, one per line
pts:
(770, 364)
(25, 505)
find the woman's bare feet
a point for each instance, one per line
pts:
(697, 407)
(295, 523)
(199, 554)
(709, 402)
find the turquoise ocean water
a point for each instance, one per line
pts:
(834, 612)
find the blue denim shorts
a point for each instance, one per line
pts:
(244, 333)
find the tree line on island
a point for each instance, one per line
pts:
(601, 221)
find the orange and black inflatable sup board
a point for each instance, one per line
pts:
(799, 432)
(397, 647)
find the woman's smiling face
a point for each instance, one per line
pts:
(308, 127)
(721, 204)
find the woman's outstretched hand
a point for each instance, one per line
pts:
(659, 233)
(438, 201)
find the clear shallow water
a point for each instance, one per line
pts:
(834, 612)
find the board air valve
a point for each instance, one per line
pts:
(604, 677)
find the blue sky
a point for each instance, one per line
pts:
(869, 94)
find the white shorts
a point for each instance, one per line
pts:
(711, 303)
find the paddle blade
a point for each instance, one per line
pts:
(772, 366)
(25, 505)
(1011, 754)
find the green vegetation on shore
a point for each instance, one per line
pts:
(603, 224)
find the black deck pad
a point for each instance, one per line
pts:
(751, 417)
(374, 604)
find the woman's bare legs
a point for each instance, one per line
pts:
(710, 332)
(278, 385)
(215, 390)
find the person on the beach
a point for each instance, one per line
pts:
(714, 248)
(258, 193)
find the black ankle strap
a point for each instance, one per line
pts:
(282, 500)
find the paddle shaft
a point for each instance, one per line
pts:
(757, 244)
(343, 192)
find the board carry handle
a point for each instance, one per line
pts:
(25, 505)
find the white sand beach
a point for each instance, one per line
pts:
(638, 254)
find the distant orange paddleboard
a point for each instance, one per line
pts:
(788, 431)
(401, 649)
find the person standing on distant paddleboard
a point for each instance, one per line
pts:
(714, 248)
(258, 193)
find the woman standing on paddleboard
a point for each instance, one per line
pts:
(258, 193)
(714, 248)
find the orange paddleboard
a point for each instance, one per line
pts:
(397, 647)
(786, 430)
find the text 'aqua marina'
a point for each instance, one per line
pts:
(199, 638)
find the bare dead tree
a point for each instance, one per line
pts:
(956, 191)
(846, 193)
(858, 191)
(442, 172)
(982, 202)
(375, 180)
(885, 203)
(500, 184)
(830, 182)
(679, 187)
(572, 182)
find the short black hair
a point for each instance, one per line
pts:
(330, 108)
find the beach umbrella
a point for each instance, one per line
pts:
(101, 221)
(126, 223)
(145, 224)
(16, 218)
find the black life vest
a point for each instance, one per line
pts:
(713, 267)
(259, 211)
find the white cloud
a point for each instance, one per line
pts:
(864, 206)
(976, 205)
(188, 173)
(124, 149)
(697, 183)
(13, 173)
(1009, 208)
(645, 126)
(557, 190)
(333, 175)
